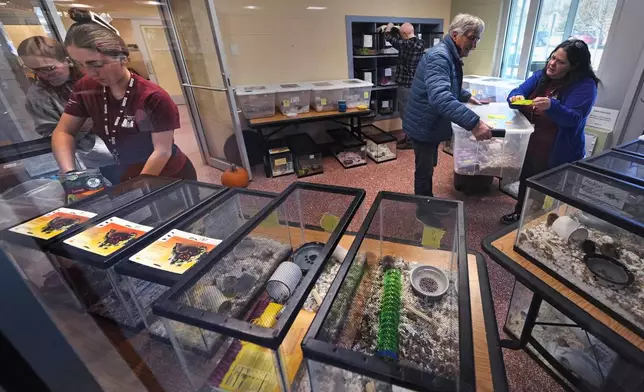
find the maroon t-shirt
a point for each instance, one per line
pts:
(149, 109)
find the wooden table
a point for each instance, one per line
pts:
(269, 126)
(546, 288)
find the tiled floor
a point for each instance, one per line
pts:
(482, 218)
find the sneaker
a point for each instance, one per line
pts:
(510, 218)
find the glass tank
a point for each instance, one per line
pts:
(586, 229)
(580, 359)
(306, 155)
(503, 155)
(87, 258)
(279, 158)
(167, 257)
(25, 241)
(616, 164)
(399, 309)
(381, 146)
(636, 147)
(347, 148)
(237, 320)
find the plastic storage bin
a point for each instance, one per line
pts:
(306, 155)
(500, 156)
(280, 158)
(325, 96)
(356, 93)
(394, 313)
(293, 98)
(387, 75)
(381, 146)
(489, 89)
(347, 148)
(256, 101)
(88, 256)
(580, 226)
(237, 323)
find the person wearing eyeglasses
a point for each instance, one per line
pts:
(437, 100)
(563, 94)
(135, 117)
(47, 96)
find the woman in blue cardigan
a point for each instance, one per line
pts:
(562, 95)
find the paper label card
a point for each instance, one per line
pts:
(387, 71)
(53, 223)
(385, 104)
(177, 251)
(368, 77)
(366, 95)
(432, 237)
(295, 99)
(280, 161)
(323, 101)
(108, 236)
(599, 192)
(367, 41)
(286, 103)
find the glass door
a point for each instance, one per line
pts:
(196, 40)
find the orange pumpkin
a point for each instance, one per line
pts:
(235, 177)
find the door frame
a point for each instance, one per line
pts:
(634, 96)
(188, 87)
(145, 51)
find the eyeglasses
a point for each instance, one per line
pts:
(42, 70)
(473, 38)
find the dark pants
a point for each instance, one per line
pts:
(532, 165)
(426, 158)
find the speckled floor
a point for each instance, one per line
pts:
(482, 218)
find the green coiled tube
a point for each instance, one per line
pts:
(390, 305)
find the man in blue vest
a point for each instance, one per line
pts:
(437, 99)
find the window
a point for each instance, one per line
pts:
(549, 22)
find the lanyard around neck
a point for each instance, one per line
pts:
(110, 132)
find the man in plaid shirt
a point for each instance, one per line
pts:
(410, 50)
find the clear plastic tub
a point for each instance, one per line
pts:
(357, 93)
(489, 89)
(293, 98)
(325, 96)
(387, 76)
(499, 156)
(256, 101)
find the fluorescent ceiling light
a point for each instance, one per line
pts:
(149, 2)
(316, 8)
(251, 7)
(78, 5)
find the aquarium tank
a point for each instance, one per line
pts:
(87, 257)
(636, 147)
(236, 319)
(162, 261)
(398, 311)
(627, 167)
(586, 229)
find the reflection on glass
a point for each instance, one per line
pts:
(514, 39)
(587, 20)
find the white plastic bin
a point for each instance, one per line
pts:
(325, 96)
(293, 98)
(499, 156)
(256, 101)
(356, 93)
(488, 88)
